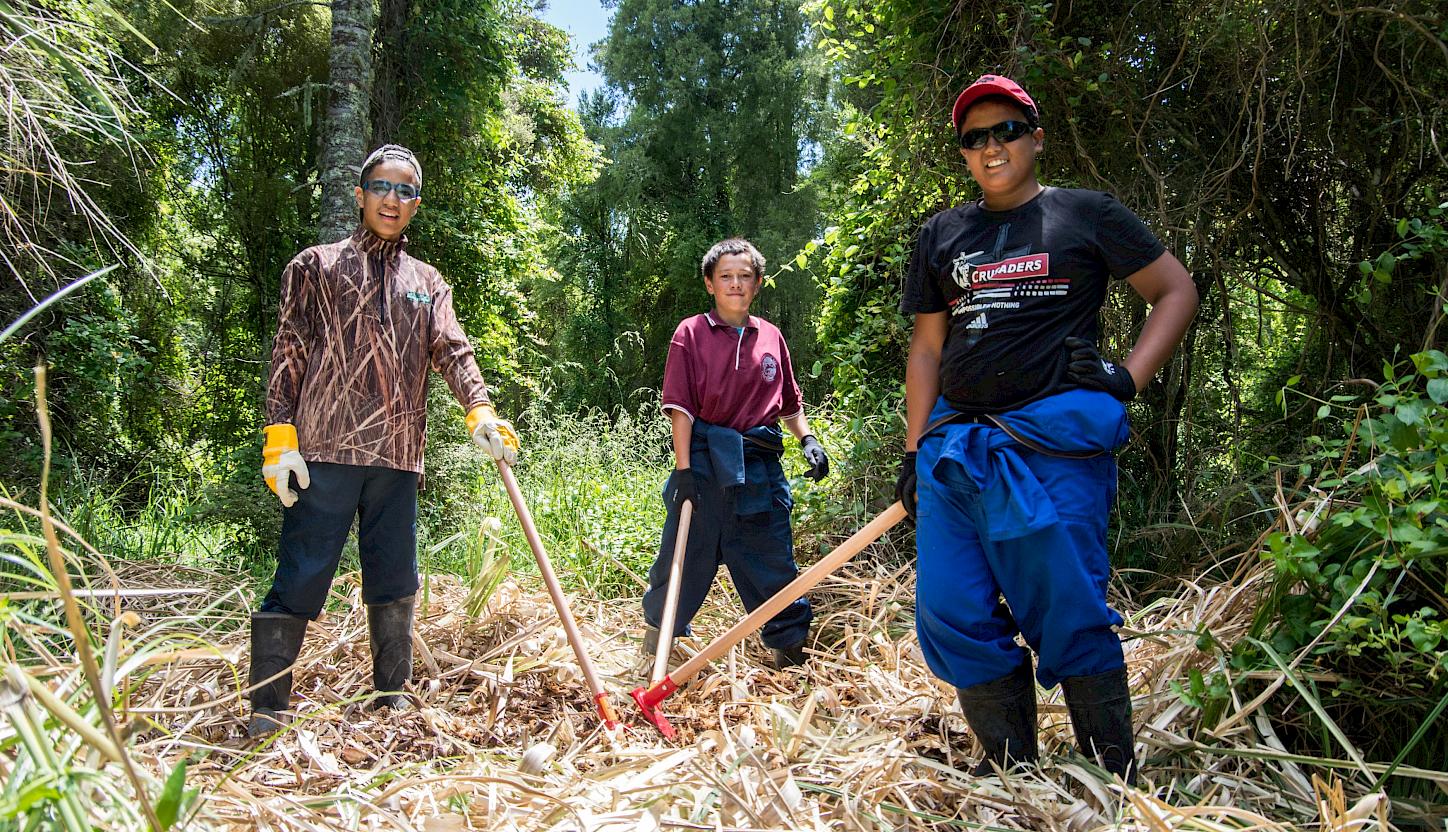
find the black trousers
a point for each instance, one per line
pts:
(757, 546)
(384, 503)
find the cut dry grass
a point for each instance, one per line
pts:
(865, 738)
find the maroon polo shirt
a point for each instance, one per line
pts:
(727, 377)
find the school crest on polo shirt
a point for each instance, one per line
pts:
(768, 367)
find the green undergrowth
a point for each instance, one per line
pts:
(1356, 618)
(593, 484)
(591, 481)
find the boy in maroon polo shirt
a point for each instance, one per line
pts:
(728, 382)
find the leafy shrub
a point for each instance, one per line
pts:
(1360, 577)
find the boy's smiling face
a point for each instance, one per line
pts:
(1006, 173)
(387, 216)
(733, 285)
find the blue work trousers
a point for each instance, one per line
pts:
(384, 503)
(1052, 574)
(747, 529)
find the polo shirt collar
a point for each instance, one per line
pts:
(750, 322)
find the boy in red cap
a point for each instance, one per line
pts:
(1012, 418)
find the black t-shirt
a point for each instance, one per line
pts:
(1017, 283)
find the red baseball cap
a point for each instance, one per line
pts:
(991, 85)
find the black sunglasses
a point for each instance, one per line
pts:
(1005, 133)
(406, 191)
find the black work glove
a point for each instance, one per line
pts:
(819, 461)
(1088, 369)
(683, 487)
(905, 484)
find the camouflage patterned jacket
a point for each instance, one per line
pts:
(360, 322)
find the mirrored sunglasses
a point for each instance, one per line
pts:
(406, 191)
(1005, 133)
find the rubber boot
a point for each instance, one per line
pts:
(1002, 715)
(276, 639)
(1100, 707)
(389, 629)
(792, 656)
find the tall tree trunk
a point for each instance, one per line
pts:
(391, 72)
(345, 133)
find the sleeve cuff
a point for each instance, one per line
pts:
(667, 407)
(799, 412)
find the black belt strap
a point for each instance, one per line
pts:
(995, 421)
(772, 447)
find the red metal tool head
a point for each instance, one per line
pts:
(606, 712)
(648, 702)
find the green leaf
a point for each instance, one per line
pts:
(1431, 362)
(168, 805)
(1410, 412)
(39, 790)
(1438, 390)
(1404, 437)
(1324, 411)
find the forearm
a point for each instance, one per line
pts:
(922, 373)
(1166, 325)
(452, 353)
(284, 384)
(289, 349)
(683, 430)
(797, 425)
(465, 381)
(922, 388)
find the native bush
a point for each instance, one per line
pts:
(1356, 615)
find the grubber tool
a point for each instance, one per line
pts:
(671, 597)
(560, 602)
(649, 700)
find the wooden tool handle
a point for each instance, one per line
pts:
(795, 589)
(560, 603)
(671, 598)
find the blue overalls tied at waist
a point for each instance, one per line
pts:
(1016, 505)
(741, 461)
(1077, 423)
(741, 521)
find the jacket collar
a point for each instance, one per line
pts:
(372, 244)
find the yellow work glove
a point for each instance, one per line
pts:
(281, 460)
(494, 434)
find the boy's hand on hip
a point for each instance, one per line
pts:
(1088, 369)
(814, 454)
(496, 435)
(281, 460)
